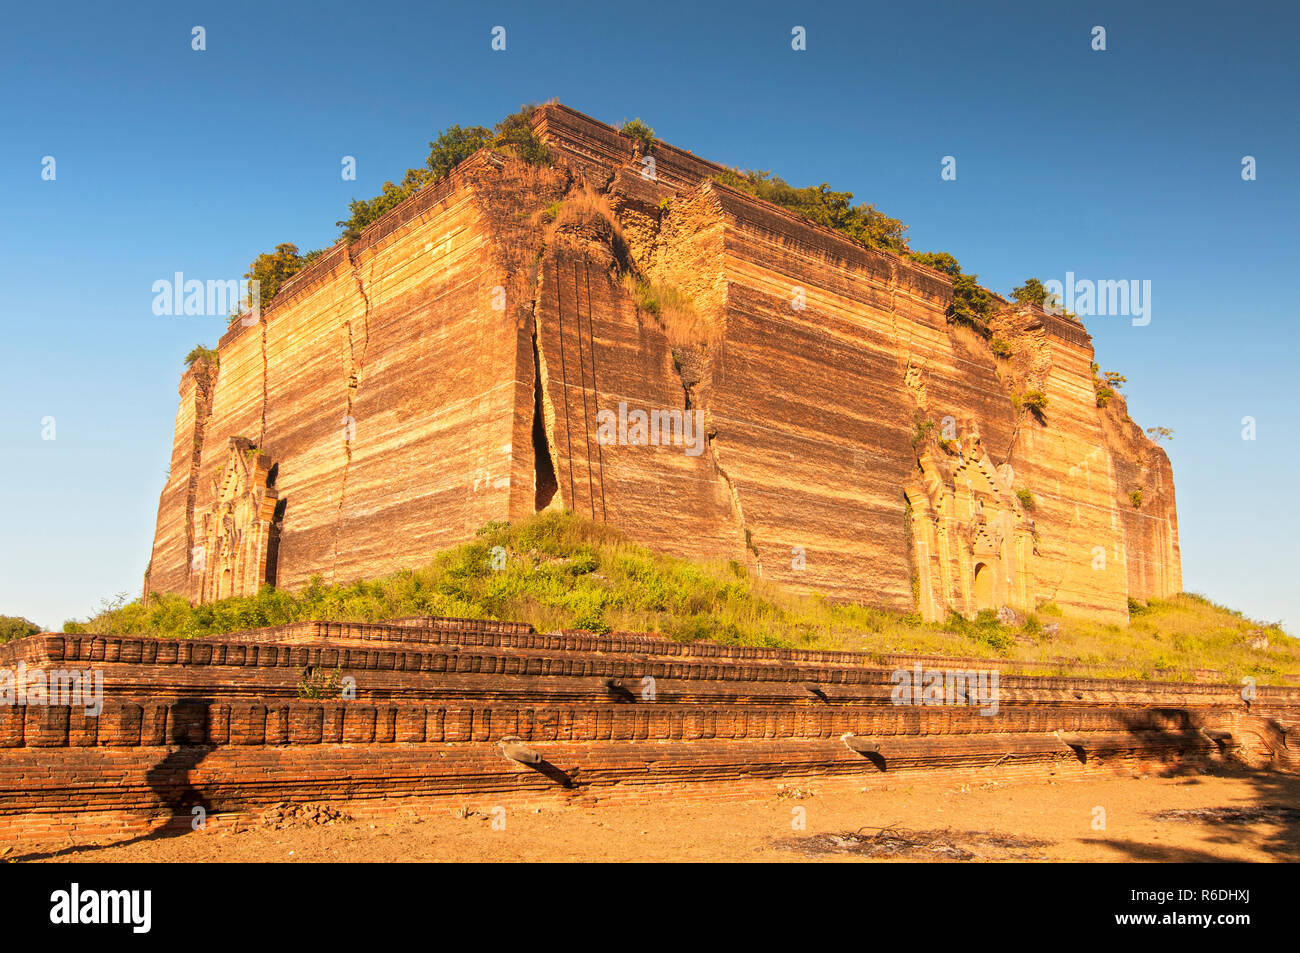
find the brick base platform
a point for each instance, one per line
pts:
(438, 712)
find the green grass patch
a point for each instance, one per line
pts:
(563, 571)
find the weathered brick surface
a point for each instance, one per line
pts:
(218, 723)
(412, 386)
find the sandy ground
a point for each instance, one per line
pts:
(1241, 817)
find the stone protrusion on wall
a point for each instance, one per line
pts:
(972, 541)
(234, 537)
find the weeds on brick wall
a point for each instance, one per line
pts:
(563, 571)
(973, 305)
(909, 536)
(922, 427)
(1106, 385)
(823, 206)
(1031, 292)
(208, 354)
(1027, 501)
(318, 683)
(656, 297)
(512, 136)
(640, 133)
(674, 310)
(1034, 401)
(1135, 498)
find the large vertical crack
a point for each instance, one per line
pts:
(747, 535)
(544, 478)
(355, 364)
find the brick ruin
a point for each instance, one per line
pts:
(437, 712)
(447, 369)
(450, 367)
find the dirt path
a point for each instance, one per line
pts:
(1217, 817)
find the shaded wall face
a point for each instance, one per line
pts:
(602, 360)
(820, 357)
(823, 401)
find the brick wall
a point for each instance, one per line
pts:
(219, 722)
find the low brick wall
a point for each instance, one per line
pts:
(218, 723)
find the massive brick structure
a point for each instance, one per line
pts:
(448, 369)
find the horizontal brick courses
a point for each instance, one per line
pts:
(218, 722)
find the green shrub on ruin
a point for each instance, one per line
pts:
(823, 206)
(512, 136)
(1031, 292)
(272, 270)
(922, 427)
(972, 304)
(1033, 400)
(324, 683)
(453, 146)
(208, 354)
(362, 212)
(640, 133)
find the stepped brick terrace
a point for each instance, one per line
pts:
(433, 711)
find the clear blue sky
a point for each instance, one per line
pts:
(1117, 164)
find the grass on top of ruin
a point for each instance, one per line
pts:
(558, 570)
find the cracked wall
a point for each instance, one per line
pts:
(449, 369)
(383, 384)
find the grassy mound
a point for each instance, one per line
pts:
(558, 570)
